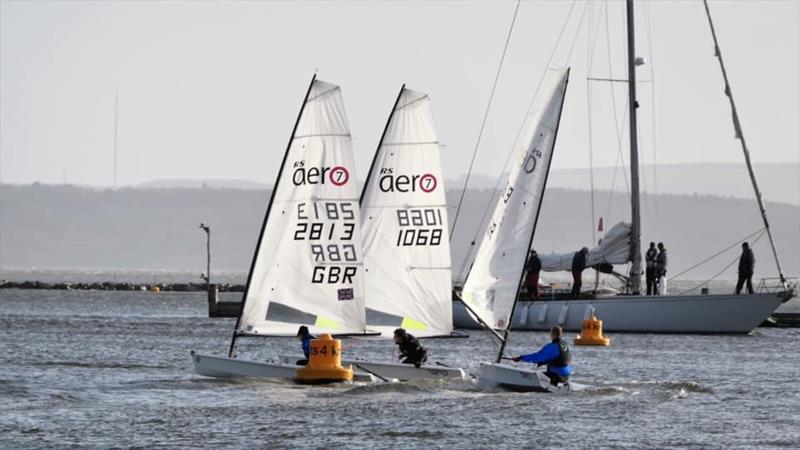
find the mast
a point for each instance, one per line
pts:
(266, 216)
(737, 126)
(380, 143)
(535, 222)
(636, 228)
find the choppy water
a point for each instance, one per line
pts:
(112, 369)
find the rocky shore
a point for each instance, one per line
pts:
(118, 286)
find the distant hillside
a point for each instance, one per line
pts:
(70, 227)
(780, 182)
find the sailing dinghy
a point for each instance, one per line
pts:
(307, 268)
(492, 286)
(406, 238)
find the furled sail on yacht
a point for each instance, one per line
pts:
(490, 290)
(405, 227)
(614, 248)
(307, 269)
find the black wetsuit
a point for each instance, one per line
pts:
(412, 352)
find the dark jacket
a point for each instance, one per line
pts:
(578, 262)
(556, 355)
(650, 258)
(412, 350)
(661, 262)
(534, 265)
(747, 262)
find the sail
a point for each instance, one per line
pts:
(614, 248)
(491, 287)
(308, 265)
(405, 227)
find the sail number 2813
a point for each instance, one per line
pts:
(419, 226)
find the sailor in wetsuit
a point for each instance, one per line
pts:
(556, 355)
(305, 337)
(410, 349)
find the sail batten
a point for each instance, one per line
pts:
(308, 268)
(405, 227)
(491, 287)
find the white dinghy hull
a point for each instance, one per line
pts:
(735, 314)
(516, 378)
(397, 371)
(223, 367)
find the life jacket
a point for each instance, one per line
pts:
(564, 356)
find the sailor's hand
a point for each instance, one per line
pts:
(516, 358)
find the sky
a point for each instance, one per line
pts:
(210, 90)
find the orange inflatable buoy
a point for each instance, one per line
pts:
(592, 332)
(324, 363)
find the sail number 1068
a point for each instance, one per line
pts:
(419, 227)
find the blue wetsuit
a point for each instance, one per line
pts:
(307, 344)
(556, 355)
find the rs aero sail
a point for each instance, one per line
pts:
(492, 286)
(406, 239)
(307, 268)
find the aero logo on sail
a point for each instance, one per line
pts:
(405, 183)
(337, 175)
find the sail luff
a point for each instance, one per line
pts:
(535, 220)
(380, 144)
(266, 215)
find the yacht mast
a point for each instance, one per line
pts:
(740, 135)
(636, 230)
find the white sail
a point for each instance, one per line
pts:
(405, 227)
(614, 248)
(308, 266)
(493, 281)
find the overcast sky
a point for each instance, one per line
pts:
(211, 90)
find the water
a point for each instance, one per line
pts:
(112, 369)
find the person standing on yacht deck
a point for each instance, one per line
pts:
(661, 270)
(650, 268)
(578, 264)
(747, 262)
(533, 267)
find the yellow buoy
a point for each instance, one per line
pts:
(324, 362)
(592, 332)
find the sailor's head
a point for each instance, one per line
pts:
(652, 245)
(661, 246)
(745, 245)
(533, 252)
(399, 335)
(585, 250)
(556, 332)
(302, 332)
